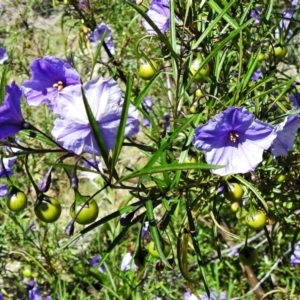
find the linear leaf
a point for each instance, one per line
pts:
(121, 130)
(169, 168)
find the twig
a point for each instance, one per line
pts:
(266, 276)
(251, 277)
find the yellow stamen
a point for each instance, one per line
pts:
(233, 136)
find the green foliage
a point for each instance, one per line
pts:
(150, 177)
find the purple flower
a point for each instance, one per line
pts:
(159, 13)
(295, 257)
(286, 134)
(167, 118)
(234, 252)
(234, 139)
(128, 263)
(31, 226)
(72, 130)
(3, 55)
(1, 295)
(255, 14)
(94, 263)
(145, 230)
(147, 104)
(50, 75)
(3, 190)
(256, 75)
(8, 164)
(98, 33)
(295, 99)
(213, 296)
(34, 293)
(91, 175)
(287, 16)
(11, 118)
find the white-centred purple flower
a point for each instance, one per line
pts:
(159, 13)
(72, 129)
(97, 34)
(3, 55)
(50, 75)
(234, 139)
(286, 135)
(128, 263)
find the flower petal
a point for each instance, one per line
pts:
(286, 134)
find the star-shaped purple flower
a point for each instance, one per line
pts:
(159, 13)
(50, 75)
(97, 34)
(3, 55)
(234, 139)
(72, 129)
(11, 118)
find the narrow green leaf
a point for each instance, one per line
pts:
(254, 190)
(97, 135)
(217, 48)
(142, 94)
(121, 130)
(155, 234)
(3, 83)
(195, 242)
(182, 251)
(169, 168)
(221, 14)
(168, 141)
(37, 136)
